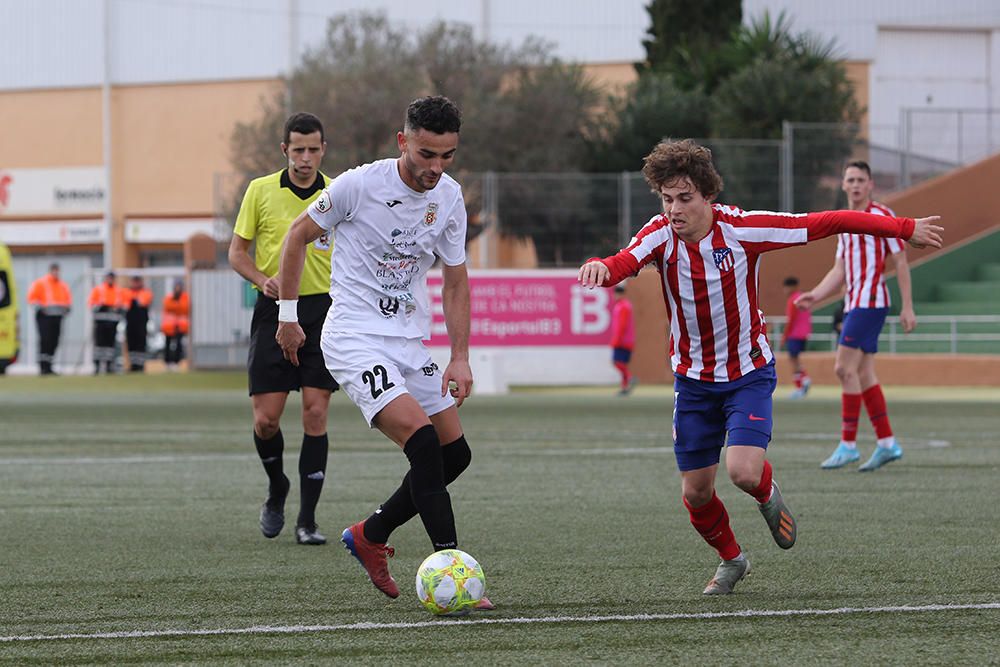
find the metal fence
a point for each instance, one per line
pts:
(569, 216)
(957, 136)
(76, 344)
(943, 334)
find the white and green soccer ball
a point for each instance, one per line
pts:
(450, 582)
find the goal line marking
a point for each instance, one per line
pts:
(300, 629)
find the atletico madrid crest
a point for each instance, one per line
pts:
(724, 260)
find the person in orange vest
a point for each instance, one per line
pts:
(53, 300)
(107, 304)
(137, 301)
(176, 309)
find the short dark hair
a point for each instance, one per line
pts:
(434, 113)
(54, 266)
(670, 161)
(303, 122)
(859, 164)
(791, 281)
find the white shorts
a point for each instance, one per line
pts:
(373, 370)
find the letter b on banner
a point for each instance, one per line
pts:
(589, 312)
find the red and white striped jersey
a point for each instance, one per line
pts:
(717, 331)
(864, 264)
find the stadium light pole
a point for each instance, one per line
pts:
(106, 131)
(293, 47)
(486, 21)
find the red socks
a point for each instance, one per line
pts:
(850, 410)
(763, 491)
(712, 522)
(877, 412)
(626, 375)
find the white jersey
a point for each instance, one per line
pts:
(385, 239)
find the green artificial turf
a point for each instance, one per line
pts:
(129, 504)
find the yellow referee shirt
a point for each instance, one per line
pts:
(269, 207)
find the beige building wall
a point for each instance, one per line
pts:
(612, 78)
(51, 128)
(858, 73)
(170, 141)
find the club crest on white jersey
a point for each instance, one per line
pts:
(432, 213)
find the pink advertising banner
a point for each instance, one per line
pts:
(528, 308)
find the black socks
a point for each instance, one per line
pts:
(270, 452)
(427, 489)
(400, 508)
(312, 472)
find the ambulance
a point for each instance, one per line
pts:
(8, 311)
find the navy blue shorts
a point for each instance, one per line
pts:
(795, 346)
(621, 355)
(862, 327)
(704, 412)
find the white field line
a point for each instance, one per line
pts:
(909, 443)
(623, 618)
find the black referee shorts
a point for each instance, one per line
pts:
(267, 368)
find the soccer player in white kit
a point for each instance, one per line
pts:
(389, 220)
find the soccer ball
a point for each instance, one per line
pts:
(450, 582)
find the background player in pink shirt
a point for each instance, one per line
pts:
(708, 257)
(860, 263)
(622, 339)
(795, 336)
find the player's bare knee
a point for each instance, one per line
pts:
(696, 496)
(314, 418)
(844, 372)
(266, 426)
(744, 477)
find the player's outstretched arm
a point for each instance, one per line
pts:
(457, 315)
(832, 281)
(593, 274)
(290, 336)
(926, 232)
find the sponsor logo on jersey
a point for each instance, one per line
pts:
(323, 203)
(394, 202)
(389, 307)
(724, 260)
(431, 214)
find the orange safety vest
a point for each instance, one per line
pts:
(143, 297)
(106, 296)
(175, 314)
(50, 294)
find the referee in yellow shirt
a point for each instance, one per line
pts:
(269, 206)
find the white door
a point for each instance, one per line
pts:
(937, 72)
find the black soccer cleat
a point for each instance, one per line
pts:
(272, 513)
(309, 534)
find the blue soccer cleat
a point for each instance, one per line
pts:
(841, 457)
(881, 456)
